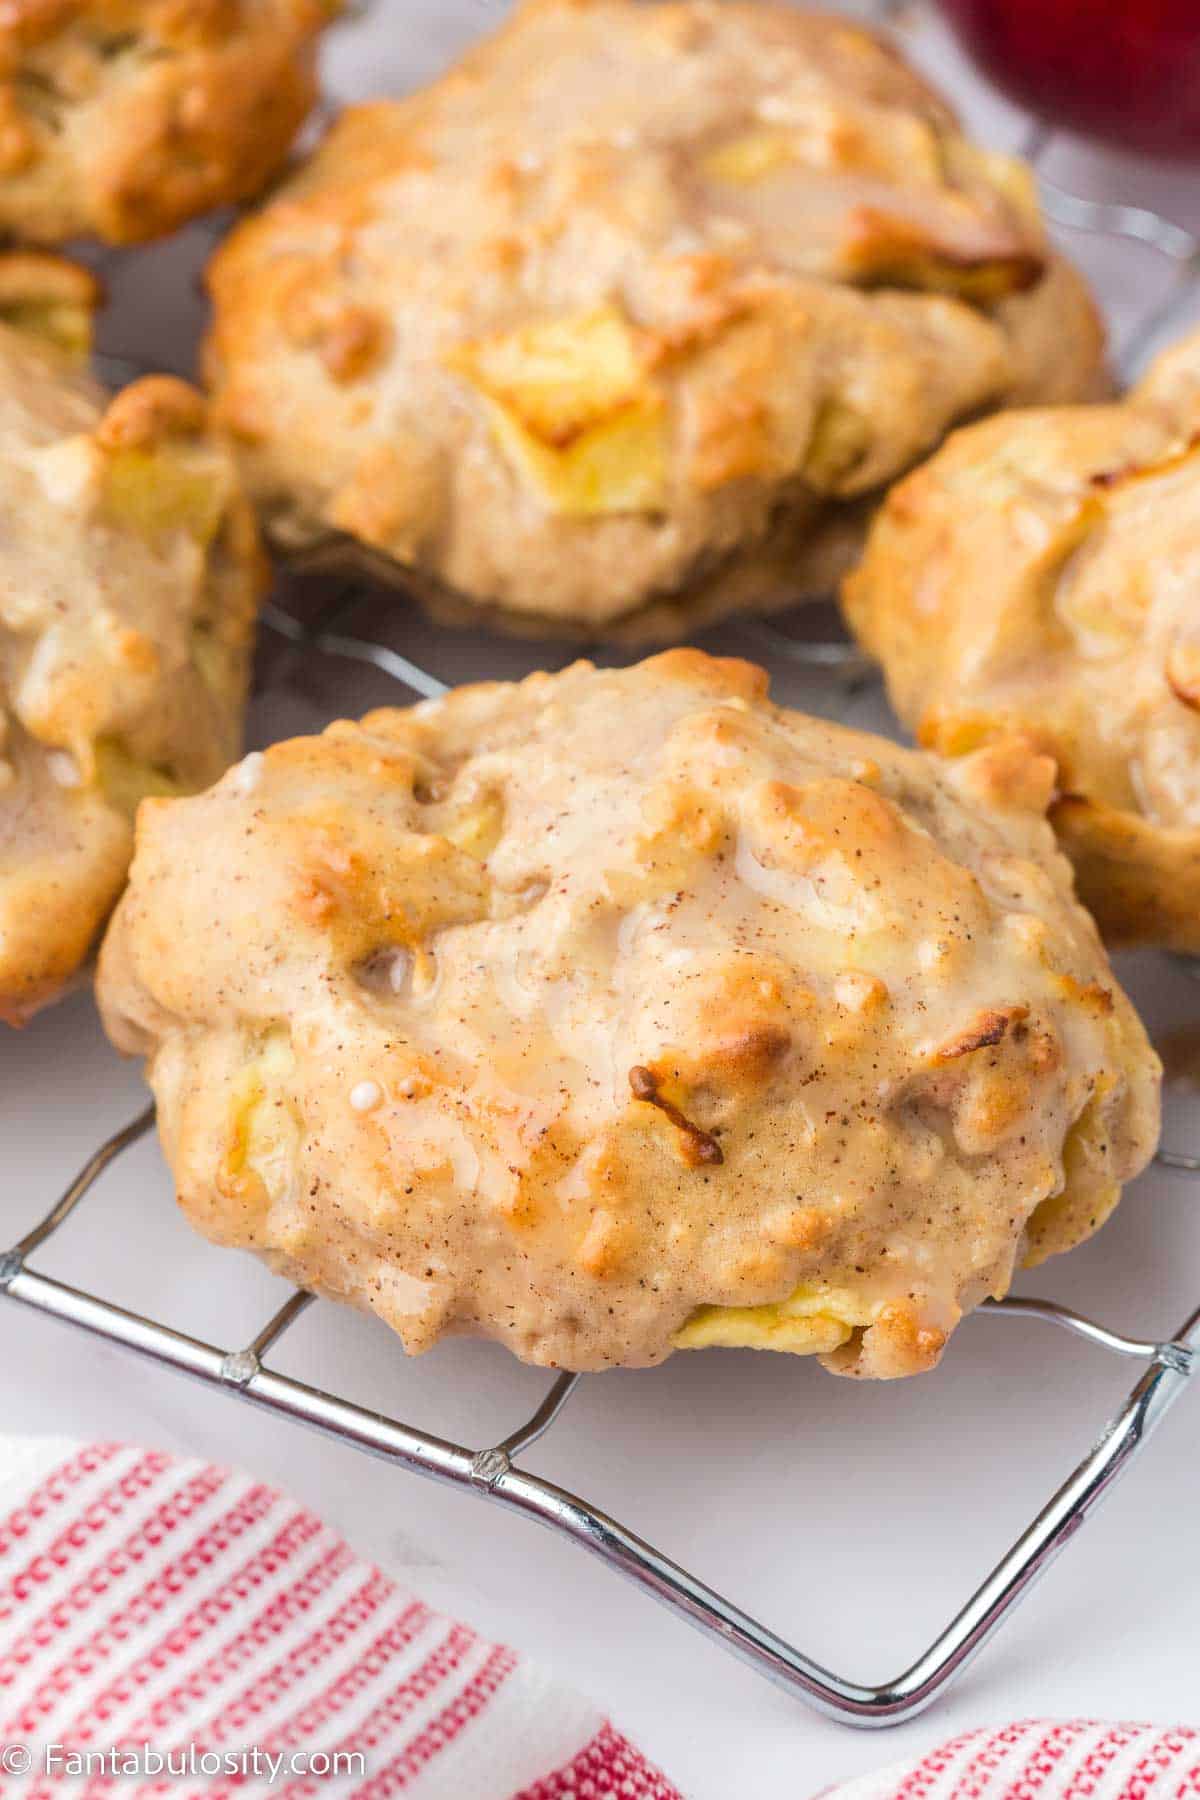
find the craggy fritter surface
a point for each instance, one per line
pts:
(129, 581)
(1041, 575)
(124, 118)
(614, 1012)
(629, 316)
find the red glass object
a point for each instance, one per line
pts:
(1126, 71)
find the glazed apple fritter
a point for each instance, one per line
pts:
(130, 576)
(122, 119)
(621, 1011)
(1041, 575)
(630, 317)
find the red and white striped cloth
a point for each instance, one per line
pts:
(151, 1602)
(178, 1607)
(1045, 1759)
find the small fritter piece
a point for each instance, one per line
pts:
(630, 316)
(129, 582)
(122, 119)
(617, 1012)
(1041, 575)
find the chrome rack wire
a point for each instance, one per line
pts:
(496, 1472)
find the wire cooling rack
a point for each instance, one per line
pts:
(497, 1472)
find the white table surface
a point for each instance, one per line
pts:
(854, 1519)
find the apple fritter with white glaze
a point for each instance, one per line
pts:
(122, 119)
(1041, 575)
(617, 1012)
(631, 315)
(129, 581)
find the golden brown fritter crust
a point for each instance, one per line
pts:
(619, 1011)
(129, 579)
(627, 314)
(1041, 575)
(122, 119)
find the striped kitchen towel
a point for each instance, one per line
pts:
(178, 1629)
(172, 1628)
(1045, 1759)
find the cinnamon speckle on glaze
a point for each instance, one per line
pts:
(664, 1064)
